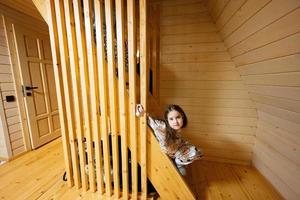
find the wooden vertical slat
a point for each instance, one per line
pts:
(92, 67)
(154, 52)
(112, 92)
(60, 94)
(132, 93)
(84, 79)
(64, 57)
(73, 53)
(157, 53)
(102, 74)
(144, 90)
(122, 94)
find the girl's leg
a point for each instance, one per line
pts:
(180, 167)
(187, 155)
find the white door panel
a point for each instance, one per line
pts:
(34, 55)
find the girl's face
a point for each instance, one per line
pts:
(175, 120)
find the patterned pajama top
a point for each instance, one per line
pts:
(175, 147)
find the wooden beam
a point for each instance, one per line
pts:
(144, 90)
(75, 76)
(84, 81)
(65, 65)
(132, 93)
(60, 94)
(123, 98)
(103, 93)
(92, 68)
(112, 92)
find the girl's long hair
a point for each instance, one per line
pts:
(171, 133)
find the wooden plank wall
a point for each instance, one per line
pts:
(10, 116)
(263, 38)
(5, 149)
(198, 74)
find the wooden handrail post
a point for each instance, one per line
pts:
(93, 90)
(132, 92)
(103, 93)
(84, 82)
(60, 93)
(143, 93)
(65, 66)
(113, 98)
(73, 53)
(123, 99)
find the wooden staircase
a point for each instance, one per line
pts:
(95, 105)
(163, 173)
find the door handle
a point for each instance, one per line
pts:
(31, 88)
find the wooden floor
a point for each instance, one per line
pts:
(38, 175)
(216, 181)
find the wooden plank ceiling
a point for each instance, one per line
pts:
(23, 6)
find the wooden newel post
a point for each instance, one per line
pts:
(144, 92)
(60, 93)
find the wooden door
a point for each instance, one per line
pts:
(36, 69)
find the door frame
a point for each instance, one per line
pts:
(9, 24)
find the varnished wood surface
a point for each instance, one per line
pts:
(197, 73)
(263, 39)
(214, 181)
(38, 175)
(23, 6)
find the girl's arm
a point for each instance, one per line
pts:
(158, 126)
(152, 122)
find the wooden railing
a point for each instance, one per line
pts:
(102, 54)
(94, 47)
(99, 81)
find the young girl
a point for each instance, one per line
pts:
(167, 132)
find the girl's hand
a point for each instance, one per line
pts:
(139, 110)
